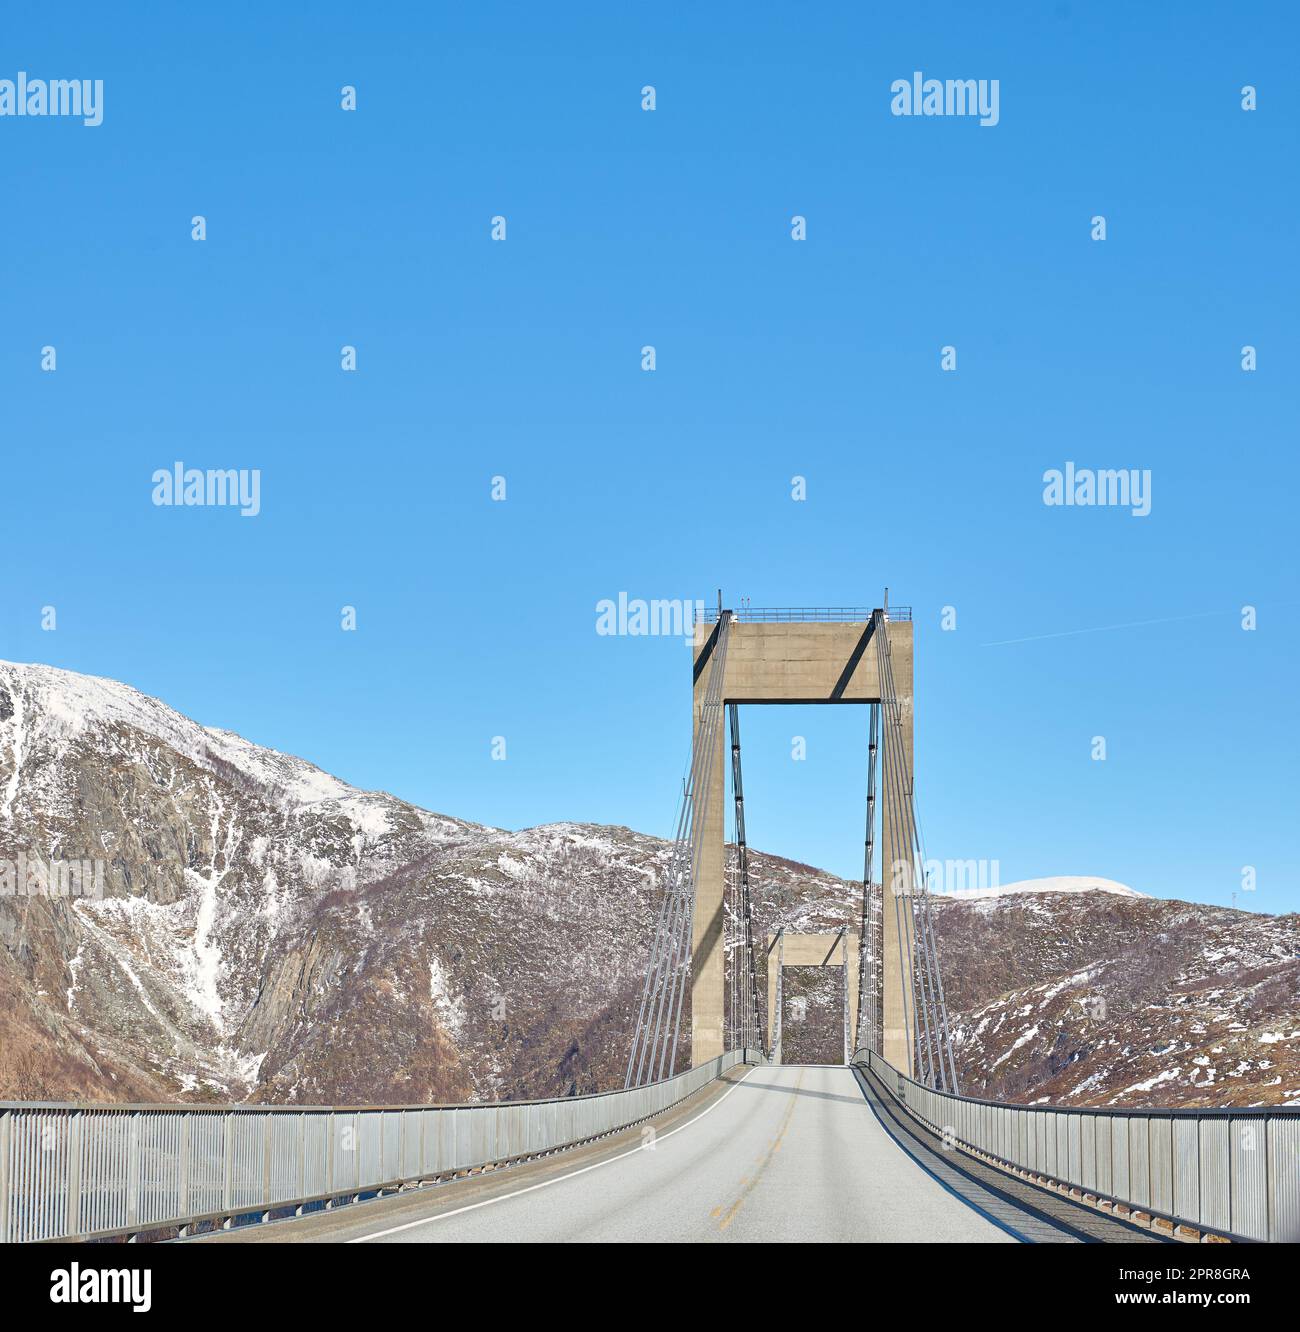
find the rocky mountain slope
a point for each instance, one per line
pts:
(1096, 998)
(267, 932)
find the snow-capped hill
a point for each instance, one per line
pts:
(1104, 998)
(267, 931)
(46, 709)
(1064, 883)
(210, 852)
(45, 702)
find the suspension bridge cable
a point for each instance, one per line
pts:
(924, 920)
(866, 942)
(659, 1017)
(906, 867)
(749, 984)
(929, 1035)
(938, 970)
(947, 1064)
(712, 717)
(890, 812)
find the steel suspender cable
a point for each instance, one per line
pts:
(848, 1035)
(654, 1046)
(938, 971)
(897, 870)
(942, 1063)
(728, 892)
(949, 1060)
(905, 886)
(657, 976)
(777, 1039)
(866, 940)
(942, 1036)
(738, 829)
(711, 721)
(649, 992)
(748, 981)
(904, 866)
(890, 879)
(876, 899)
(875, 927)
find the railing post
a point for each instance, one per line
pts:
(302, 1154)
(1151, 1165)
(227, 1161)
(73, 1218)
(1199, 1218)
(184, 1169)
(133, 1171)
(329, 1152)
(267, 1148)
(1270, 1207)
(6, 1135)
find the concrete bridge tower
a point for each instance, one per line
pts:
(801, 656)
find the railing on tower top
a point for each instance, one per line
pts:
(797, 614)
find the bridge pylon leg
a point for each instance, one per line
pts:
(708, 951)
(897, 1017)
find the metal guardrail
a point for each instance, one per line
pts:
(99, 1171)
(1232, 1171)
(805, 614)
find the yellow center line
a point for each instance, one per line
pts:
(747, 1185)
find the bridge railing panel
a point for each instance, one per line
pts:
(1106, 1186)
(1160, 1156)
(1072, 1150)
(1088, 1164)
(1119, 1157)
(316, 1152)
(1186, 1168)
(93, 1170)
(207, 1146)
(1249, 1179)
(1215, 1161)
(1232, 1171)
(1139, 1169)
(1284, 1165)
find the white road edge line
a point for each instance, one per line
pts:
(546, 1183)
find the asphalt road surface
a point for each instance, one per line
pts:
(784, 1154)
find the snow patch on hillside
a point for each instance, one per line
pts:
(206, 994)
(11, 789)
(1064, 883)
(450, 1010)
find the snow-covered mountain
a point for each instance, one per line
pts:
(265, 930)
(1115, 998)
(268, 932)
(213, 850)
(1061, 883)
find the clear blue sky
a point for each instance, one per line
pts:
(775, 359)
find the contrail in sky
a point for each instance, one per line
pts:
(1105, 628)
